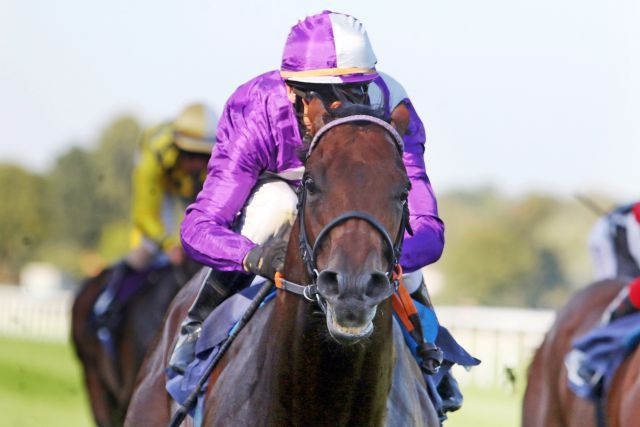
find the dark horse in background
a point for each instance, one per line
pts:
(110, 379)
(292, 365)
(548, 401)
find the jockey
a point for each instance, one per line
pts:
(168, 174)
(614, 244)
(235, 224)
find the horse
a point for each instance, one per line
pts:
(292, 365)
(548, 401)
(110, 378)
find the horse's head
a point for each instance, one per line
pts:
(353, 213)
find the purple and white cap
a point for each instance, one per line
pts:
(328, 48)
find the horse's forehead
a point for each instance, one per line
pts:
(357, 144)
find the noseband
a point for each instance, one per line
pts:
(310, 252)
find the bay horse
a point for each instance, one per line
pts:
(292, 365)
(109, 379)
(548, 401)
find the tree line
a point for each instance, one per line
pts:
(75, 215)
(528, 250)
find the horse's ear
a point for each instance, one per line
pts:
(400, 118)
(317, 114)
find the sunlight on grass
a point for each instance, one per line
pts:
(40, 385)
(487, 408)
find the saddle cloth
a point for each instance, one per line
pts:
(596, 356)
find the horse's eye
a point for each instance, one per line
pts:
(404, 195)
(310, 185)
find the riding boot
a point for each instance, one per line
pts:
(216, 287)
(448, 388)
(450, 393)
(430, 353)
(104, 309)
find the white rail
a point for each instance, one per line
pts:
(501, 337)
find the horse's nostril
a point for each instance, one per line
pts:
(378, 286)
(328, 283)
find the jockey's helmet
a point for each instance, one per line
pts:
(328, 48)
(195, 129)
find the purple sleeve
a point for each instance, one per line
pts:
(427, 242)
(241, 153)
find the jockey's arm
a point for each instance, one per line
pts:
(427, 242)
(240, 155)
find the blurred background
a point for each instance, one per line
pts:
(526, 104)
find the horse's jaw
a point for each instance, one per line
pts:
(349, 334)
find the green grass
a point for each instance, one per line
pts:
(487, 408)
(40, 385)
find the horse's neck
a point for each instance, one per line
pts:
(320, 381)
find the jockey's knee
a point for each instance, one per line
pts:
(412, 281)
(140, 257)
(272, 207)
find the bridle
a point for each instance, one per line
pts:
(309, 252)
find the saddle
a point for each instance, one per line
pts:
(596, 356)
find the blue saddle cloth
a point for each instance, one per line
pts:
(220, 323)
(596, 356)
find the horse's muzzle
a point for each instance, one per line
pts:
(352, 302)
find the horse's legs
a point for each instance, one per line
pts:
(87, 348)
(99, 398)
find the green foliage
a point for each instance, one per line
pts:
(76, 211)
(67, 214)
(529, 251)
(23, 220)
(113, 163)
(115, 240)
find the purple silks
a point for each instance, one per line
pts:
(258, 132)
(310, 45)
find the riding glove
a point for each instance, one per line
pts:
(266, 259)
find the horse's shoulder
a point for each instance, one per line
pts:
(586, 306)
(243, 374)
(81, 308)
(408, 395)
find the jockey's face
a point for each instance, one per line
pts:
(359, 97)
(305, 114)
(192, 163)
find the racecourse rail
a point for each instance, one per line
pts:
(503, 338)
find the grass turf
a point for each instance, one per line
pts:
(41, 385)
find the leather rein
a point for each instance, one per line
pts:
(309, 252)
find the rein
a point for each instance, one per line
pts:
(309, 252)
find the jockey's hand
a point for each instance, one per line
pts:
(176, 255)
(266, 259)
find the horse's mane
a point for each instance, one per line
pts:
(346, 110)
